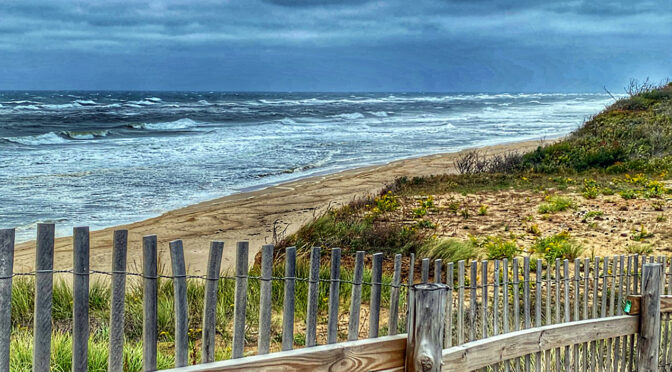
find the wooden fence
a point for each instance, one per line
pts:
(491, 299)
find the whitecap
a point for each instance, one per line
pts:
(287, 121)
(184, 123)
(50, 138)
(351, 116)
(204, 102)
(153, 99)
(26, 107)
(85, 135)
(380, 114)
(85, 102)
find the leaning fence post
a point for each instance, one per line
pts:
(44, 278)
(80, 289)
(649, 323)
(424, 343)
(6, 271)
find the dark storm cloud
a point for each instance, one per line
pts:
(313, 45)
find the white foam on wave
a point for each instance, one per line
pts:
(85, 102)
(26, 107)
(153, 99)
(350, 116)
(21, 102)
(287, 121)
(184, 123)
(50, 138)
(85, 135)
(380, 114)
(204, 102)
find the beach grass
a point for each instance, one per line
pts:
(99, 300)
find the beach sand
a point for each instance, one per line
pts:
(250, 215)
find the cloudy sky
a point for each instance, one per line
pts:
(333, 45)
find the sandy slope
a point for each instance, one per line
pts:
(248, 216)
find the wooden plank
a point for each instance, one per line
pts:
(497, 349)
(265, 287)
(377, 354)
(149, 302)
(288, 299)
(240, 300)
(460, 302)
(424, 270)
(635, 307)
(180, 303)
(473, 283)
(356, 297)
(115, 361)
(438, 264)
(80, 292)
(334, 287)
(210, 301)
(313, 291)
(44, 284)
(393, 320)
(6, 272)
(450, 282)
(423, 346)
(376, 279)
(649, 327)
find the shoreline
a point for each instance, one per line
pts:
(252, 215)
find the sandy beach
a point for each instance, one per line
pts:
(250, 215)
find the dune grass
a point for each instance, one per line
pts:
(23, 299)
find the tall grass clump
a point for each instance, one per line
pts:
(448, 250)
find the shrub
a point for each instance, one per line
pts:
(448, 250)
(558, 246)
(497, 248)
(641, 234)
(640, 249)
(628, 194)
(556, 204)
(483, 210)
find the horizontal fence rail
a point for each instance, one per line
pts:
(325, 299)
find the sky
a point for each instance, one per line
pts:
(334, 45)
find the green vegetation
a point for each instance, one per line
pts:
(640, 249)
(555, 204)
(558, 246)
(100, 292)
(448, 250)
(497, 248)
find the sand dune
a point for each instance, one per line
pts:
(249, 216)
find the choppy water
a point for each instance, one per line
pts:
(105, 158)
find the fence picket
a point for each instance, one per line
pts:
(180, 303)
(438, 263)
(44, 278)
(505, 305)
(516, 306)
(356, 297)
(334, 286)
(288, 299)
(566, 306)
(80, 292)
(265, 287)
(240, 300)
(577, 317)
(392, 323)
(424, 270)
(115, 362)
(6, 271)
(472, 301)
(411, 269)
(210, 302)
(376, 279)
(460, 302)
(484, 298)
(450, 282)
(537, 310)
(149, 302)
(313, 290)
(526, 302)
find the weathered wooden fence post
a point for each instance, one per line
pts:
(115, 360)
(80, 290)
(425, 343)
(649, 324)
(149, 302)
(44, 278)
(6, 271)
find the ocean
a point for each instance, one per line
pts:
(107, 158)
